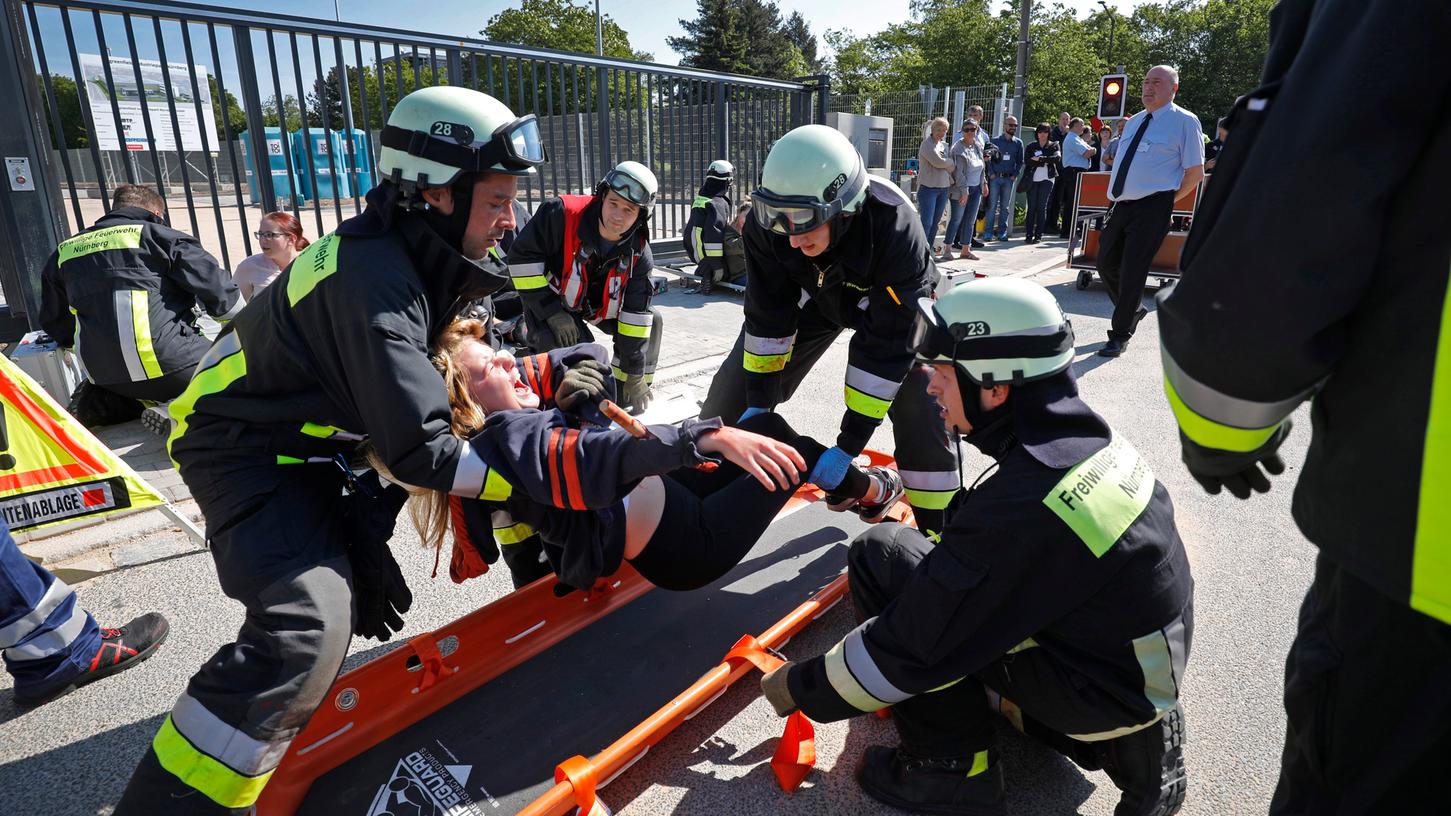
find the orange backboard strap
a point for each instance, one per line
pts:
(426, 648)
(796, 752)
(581, 775)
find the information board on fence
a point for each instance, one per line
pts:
(127, 97)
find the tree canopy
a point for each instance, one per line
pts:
(747, 37)
(562, 25)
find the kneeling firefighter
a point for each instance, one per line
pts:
(710, 231)
(333, 354)
(585, 260)
(1059, 594)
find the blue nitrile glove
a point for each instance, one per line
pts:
(830, 469)
(752, 411)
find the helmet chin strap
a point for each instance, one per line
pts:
(451, 227)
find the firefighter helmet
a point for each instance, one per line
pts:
(436, 134)
(999, 331)
(811, 176)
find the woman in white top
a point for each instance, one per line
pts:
(281, 239)
(935, 177)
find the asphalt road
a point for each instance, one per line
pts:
(1251, 568)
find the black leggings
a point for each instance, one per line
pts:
(711, 520)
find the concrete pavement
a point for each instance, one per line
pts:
(1251, 568)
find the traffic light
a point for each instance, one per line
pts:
(1112, 91)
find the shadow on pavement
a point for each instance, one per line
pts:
(85, 776)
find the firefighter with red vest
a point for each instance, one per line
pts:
(586, 260)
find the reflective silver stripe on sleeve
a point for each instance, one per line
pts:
(805, 296)
(525, 270)
(469, 475)
(766, 346)
(48, 643)
(637, 318)
(930, 479)
(865, 670)
(126, 336)
(1161, 657)
(709, 245)
(229, 746)
(1219, 407)
(16, 630)
(869, 383)
(234, 311)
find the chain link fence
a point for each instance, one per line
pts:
(910, 112)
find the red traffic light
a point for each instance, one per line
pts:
(1111, 96)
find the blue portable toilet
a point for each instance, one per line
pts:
(284, 179)
(314, 146)
(360, 171)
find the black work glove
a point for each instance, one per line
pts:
(381, 593)
(635, 393)
(562, 326)
(1239, 473)
(587, 381)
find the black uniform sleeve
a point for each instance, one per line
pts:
(635, 321)
(553, 464)
(1245, 289)
(55, 308)
(978, 594)
(772, 308)
(709, 240)
(195, 270)
(536, 253)
(878, 358)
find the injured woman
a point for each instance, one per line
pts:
(683, 503)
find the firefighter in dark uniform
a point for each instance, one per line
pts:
(1059, 594)
(829, 248)
(585, 260)
(123, 294)
(711, 227)
(332, 354)
(1260, 324)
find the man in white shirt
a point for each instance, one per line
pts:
(1160, 160)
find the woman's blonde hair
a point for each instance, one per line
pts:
(939, 123)
(429, 510)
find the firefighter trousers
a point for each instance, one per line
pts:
(926, 457)
(1042, 697)
(284, 558)
(1366, 701)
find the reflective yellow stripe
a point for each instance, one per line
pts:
(1431, 560)
(141, 325)
(1212, 434)
(320, 431)
(845, 684)
(312, 267)
(979, 764)
(620, 373)
(496, 487)
(289, 460)
(765, 363)
(866, 404)
(631, 330)
(209, 379)
(531, 282)
(513, 534)
(200, 772)
(126, 236)
(930, 499)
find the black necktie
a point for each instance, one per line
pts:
(1128, 159)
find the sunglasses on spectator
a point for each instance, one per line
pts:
(968, 130)
(262, 236)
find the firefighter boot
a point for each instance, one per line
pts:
(964, 786)
(1148, 767)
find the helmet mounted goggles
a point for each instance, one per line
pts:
(794, 215)
(629, 188)
(514, 147)
(934, 341)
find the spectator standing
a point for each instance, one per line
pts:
(279, 235)
(1041, 160)
(974, 112)
(968, 188)
(1160, 162)
(1100, 143)
(1077, 158)
(1057, 135)
(1211, 151)
(934, 180)
(1002, 173)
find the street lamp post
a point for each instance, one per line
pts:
(1112, 26)
(599, 32)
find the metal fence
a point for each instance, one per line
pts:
(179, 96)
(912, 110)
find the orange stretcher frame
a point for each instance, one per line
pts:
(431, 670)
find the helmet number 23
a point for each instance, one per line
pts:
(975, 328)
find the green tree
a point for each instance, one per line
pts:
(270, 117)
(68, 103)
(561, 25)
(799, 33)
(229, 108)
(744, 37)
